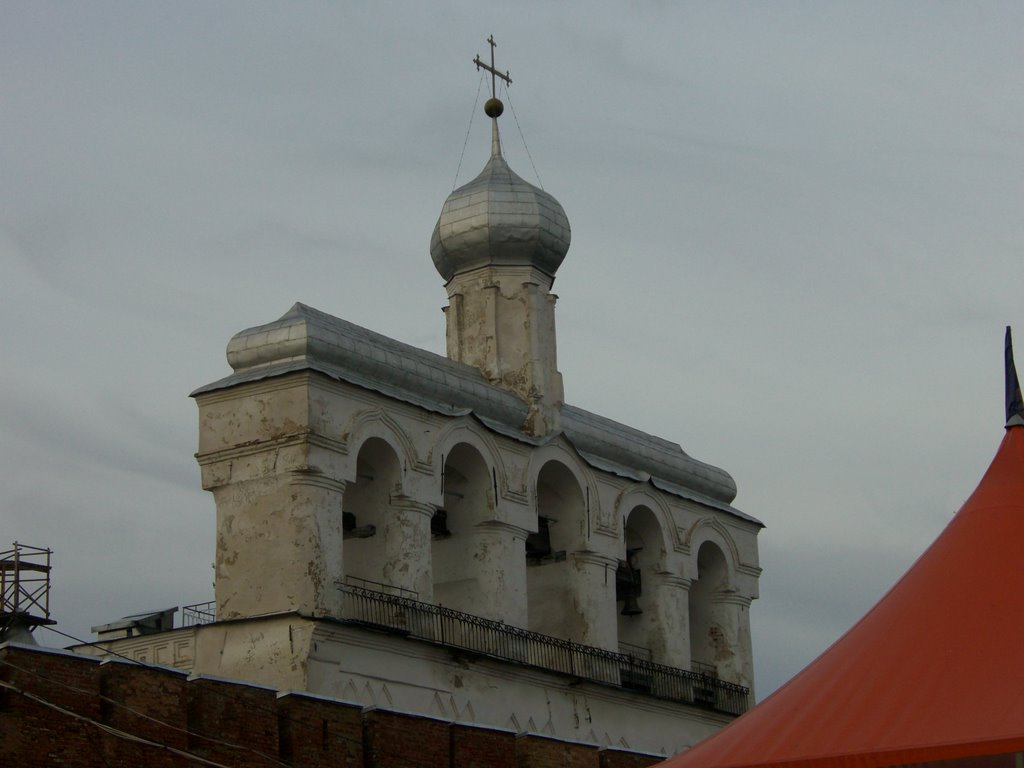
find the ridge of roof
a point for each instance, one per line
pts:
(1014, 398)
(932, 672)
(305, 338)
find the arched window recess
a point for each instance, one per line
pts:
(450, 494)
(439, 520)
(365, 506)
(538, 545)
(350, 527)
(628, 583)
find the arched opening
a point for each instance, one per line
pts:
(365, 507)
(635, 595)
(709, 641)
(468, 499)
(552, 607)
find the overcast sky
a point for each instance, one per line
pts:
(796, 239)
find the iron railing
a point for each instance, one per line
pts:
(198, 614)
(454, 629)
(703, 668)
(398, 611)
(380, 587)
(637, 651)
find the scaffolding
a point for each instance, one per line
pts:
(24, 588)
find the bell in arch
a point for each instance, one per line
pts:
(631, 606)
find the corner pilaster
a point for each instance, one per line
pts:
(730, 615)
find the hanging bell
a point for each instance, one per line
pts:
(630, 606)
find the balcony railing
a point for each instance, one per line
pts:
(632, 669)
(198, 614)
(454, 629)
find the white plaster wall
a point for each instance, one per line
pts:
(261, 444)
(501, 320)
(271, 652)
(176, 648)
(384, 671)
(551, 611)
(253, 413)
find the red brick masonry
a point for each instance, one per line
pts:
(59, 709)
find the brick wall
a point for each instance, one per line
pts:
(145, 702)
(31, 729)
(315, 733)
(617, 758)
(392, 740)
(230, 721)
(483, 748)
(542, 752)
(234, 724)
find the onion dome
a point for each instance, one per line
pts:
(498, 219)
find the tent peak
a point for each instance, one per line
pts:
(1014, 401)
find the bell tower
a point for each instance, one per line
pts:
(392, 532)
(498, 242)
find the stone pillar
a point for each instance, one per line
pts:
(730, 627)
(407, 561)
(279, 545)
(322, 497)
(667, 597)
(592, 590)
(500, 569)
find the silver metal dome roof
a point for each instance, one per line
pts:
(499, 219)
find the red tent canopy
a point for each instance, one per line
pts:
(934, 672)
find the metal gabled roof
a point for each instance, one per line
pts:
(305, 338)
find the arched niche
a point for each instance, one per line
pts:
(377, 422)
(552, 606)
(709, 640)
(639, 615)
(470, 434)
(365, 506)
(467, 500)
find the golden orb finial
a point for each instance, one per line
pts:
(493, 106)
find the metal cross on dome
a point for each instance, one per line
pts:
(493, 107)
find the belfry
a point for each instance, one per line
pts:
(498, 243)
(445, 536)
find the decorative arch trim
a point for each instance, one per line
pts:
(641, 495)
(562, 452)
(469, 431)
(709, 529)
(375, 422)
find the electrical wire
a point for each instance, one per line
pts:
(469, 128)
(143, 715)
(315, 727)
(523, 138)
(117, 732)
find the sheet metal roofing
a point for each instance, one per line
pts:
(499, 218)
(306, 339)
